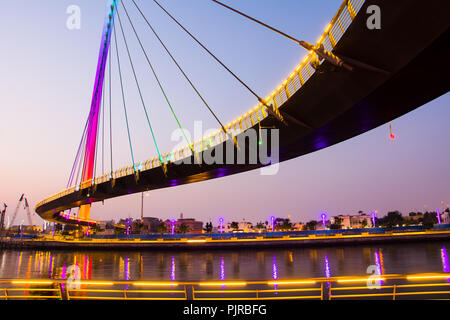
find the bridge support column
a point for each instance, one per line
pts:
(85, 211)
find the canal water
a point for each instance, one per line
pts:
(257, 264)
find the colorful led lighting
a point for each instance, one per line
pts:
(217, 284)
(290, 282)
(155, 284)
(16, 282)
(360, 280)
(426, 277)
(101, 283)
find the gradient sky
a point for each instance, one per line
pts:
(46, 80)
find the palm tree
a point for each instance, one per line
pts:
(234, 225)
(260, 225)
(287, 225)
(208, 227)
(183, 228)
(162, 228)
(311, 225)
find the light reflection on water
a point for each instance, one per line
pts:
(257, 264)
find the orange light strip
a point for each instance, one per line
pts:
(155, 284)
(31, 282)
(360, 280)
(88, 283)
(425, 277)
(215, 284)
(290, 282)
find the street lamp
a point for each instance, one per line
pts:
(272, 220)
(438, 213)
(324, 220)
(172, 223)
(373, 216)
(128, 227)
(221, 225)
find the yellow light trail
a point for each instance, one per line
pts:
(215, 284)
(155, 284)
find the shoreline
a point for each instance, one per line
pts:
(201, 244)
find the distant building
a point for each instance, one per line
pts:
(105, 225)
(150, 225)
(414, 217)
(243, 226)
(193, 225)
(445, 217)
(361, 220)
(26, 229)
(345, 221)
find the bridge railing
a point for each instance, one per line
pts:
(331, 36)
(379, 286)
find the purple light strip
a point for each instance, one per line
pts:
(91, 142)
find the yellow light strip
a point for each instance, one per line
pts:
(362, 295)
(88, 283)
(360, 280)
(155, 284)
(196, 241)
(290, 282)
(31, 282)
(422, 277)
(214, 284)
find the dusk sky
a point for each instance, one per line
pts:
(46, 78)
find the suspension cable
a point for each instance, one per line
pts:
(211, 54)
(140, 92)
(96, 146)
(103, 131)
(262, 23)
(123, 99)
(167, 99)
(75, 164)
(318, 50)
(110, 114)
(177, 64)
(80, 164)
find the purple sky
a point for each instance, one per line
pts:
(46, 81)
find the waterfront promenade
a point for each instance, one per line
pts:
(235, 241)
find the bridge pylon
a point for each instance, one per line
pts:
(91, 139)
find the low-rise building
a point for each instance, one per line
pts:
(343, 221)
(361, 220)
(150, 225)
(298, 226)
(445, 217)
(192, 225)
(414, 218)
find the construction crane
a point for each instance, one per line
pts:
(2, 219)
(26, 207)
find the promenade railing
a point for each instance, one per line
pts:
(390, 286)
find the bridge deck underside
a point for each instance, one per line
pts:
(337, 104)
